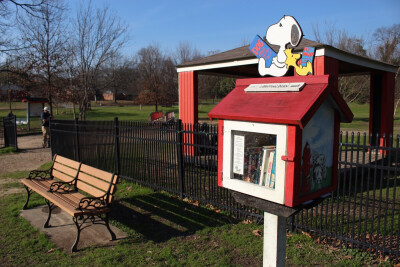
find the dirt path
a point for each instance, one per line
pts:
(30, 156)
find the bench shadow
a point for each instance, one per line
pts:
(158, 217)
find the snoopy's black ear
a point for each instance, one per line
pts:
(296, 35)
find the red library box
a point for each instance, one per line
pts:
(278, 138)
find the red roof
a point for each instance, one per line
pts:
(292, 108)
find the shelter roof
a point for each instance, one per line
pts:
(240, 62)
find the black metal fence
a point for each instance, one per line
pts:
(8, 132)
(364, 212)
(181, 159)
(175, 157)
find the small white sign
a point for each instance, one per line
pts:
(238, 154)
(275, 87)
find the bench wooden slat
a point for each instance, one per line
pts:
(66, 161)
(34, 183)
(45, 186)
(90, 180)
(67, 201)
(41, 190)
(65, 169)
(106, 176)
(101, 184)
(62, 176)
(89, 189)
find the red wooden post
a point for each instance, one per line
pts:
(381, 105)
(188, 107)
(188, 96)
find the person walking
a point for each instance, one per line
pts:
(46, 116)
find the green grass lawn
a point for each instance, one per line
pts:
(162, 231)
(361, 119)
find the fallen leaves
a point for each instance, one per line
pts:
(257, 232)
(306, 234)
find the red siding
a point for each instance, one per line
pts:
(384, 114)
(327, 66)
(388, 81)
(292, 187)
(188, 97)
(220, 150)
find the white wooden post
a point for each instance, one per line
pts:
(274, 240)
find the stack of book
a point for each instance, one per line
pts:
(260, 165)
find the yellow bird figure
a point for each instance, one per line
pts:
(292, 59)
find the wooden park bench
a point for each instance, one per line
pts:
(80, 190)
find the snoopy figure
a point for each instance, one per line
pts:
(286, 31)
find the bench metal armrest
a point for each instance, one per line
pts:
(93, 203)
(64, 187)
(40, 175)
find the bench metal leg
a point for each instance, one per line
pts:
(29, 191)
(78, 233)
(50, 205)
(113, 237)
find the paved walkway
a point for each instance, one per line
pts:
(31, 155)
(63, 230)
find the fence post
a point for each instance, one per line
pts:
(51, 138)
(77, 148)
(6, 139)
(179, 149)
(117, 159)
(2, 141)
(291, 221)
(15, 132)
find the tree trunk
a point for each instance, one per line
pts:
(398, 100)
(73, 110)
(396, 106)
(50, 103)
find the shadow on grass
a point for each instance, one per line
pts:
(159, 217)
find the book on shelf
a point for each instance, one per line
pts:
(252, 161)
(273, 175)
(258, 164)
(265, 160)
(269, 168)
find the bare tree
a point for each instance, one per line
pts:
(157, 78)
(352, 88)
(10, 11)
(99, 35)
(387, 44)
(186, 52)
(117, 75)
(339, 38)
(44, 37)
